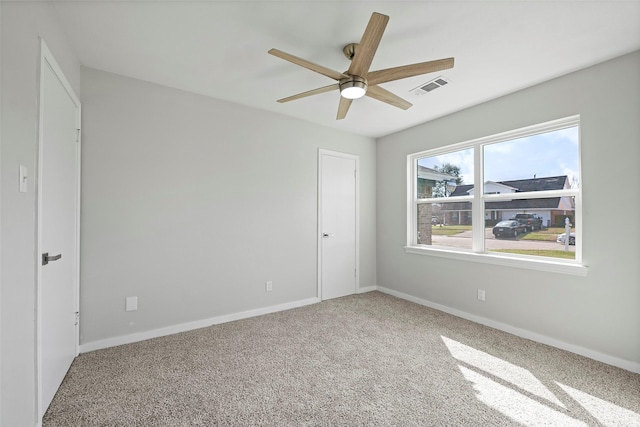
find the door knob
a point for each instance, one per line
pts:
(46, 258)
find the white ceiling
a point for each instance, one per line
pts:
(219, 49)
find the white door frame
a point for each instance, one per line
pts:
(47, 60)
(322, 152)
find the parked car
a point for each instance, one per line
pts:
(509, 228)
(572, 238)
(531, 221)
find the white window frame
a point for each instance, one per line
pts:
(478, 199)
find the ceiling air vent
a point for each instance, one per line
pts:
(430, 85)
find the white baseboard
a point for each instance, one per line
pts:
(365, 289)
(592, 354)
(184, 327)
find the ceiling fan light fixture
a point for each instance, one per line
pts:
(353, 87)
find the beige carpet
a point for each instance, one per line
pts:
(368, 359)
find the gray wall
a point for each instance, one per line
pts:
(599, 312)
(22, 23)
(191, 204)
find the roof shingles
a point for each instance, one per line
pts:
(522, 185)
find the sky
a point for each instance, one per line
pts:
(548, 154)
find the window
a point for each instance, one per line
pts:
(508, 198)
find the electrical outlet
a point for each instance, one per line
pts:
(131, 304)
(268, 286)
(481, 294)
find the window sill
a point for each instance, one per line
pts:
(532, 263)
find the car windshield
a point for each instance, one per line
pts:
(504, 223)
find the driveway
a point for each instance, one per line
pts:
(463, 240)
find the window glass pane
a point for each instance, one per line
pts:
(445, 175)
(527, 233)
(546, 161)
(444, 224)
(516, 171)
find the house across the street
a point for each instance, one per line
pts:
(552, 210)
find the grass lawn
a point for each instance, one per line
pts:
(449, 230)
(546, 235)
(539, 252)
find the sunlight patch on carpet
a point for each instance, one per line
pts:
(516, 405)
(502, 369)
(605, 412)
(517, 396)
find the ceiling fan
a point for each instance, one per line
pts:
(358, 81)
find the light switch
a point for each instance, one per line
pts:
(23, 181)
(131, 304)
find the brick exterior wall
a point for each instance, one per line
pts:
(425, 227)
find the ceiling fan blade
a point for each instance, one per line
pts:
(397, 73)
(310, 92)
(376, 92)
(368, 45)
(343, 107)
(335, 75)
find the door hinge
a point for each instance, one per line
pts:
(77, 318)
(355, 272)
(77, 135)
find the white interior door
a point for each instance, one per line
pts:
(58, 231)
(338, 206)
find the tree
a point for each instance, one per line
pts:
(440, 189)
